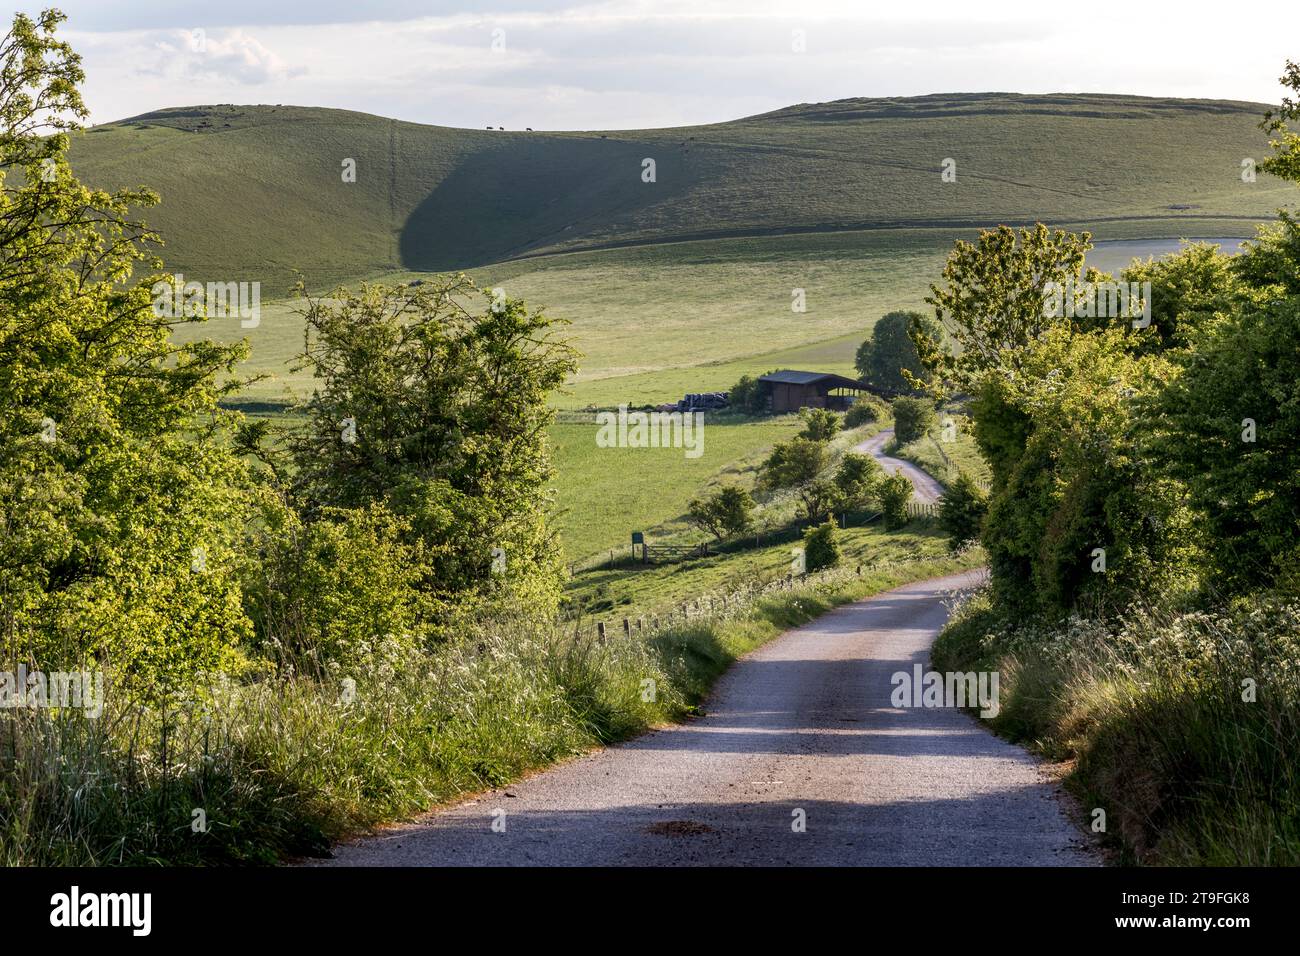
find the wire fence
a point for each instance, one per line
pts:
(723, 603)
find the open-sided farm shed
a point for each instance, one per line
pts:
(791, 390)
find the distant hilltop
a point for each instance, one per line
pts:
(262, 191)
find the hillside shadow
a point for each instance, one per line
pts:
(529, 191)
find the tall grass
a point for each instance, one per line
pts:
(1183, 727)
(254, 772)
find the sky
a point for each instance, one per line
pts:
(628, 64)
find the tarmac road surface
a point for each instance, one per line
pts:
(800, 731)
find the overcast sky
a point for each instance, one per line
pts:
(566, 64)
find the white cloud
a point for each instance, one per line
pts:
(232, 56)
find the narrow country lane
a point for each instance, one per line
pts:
(802, 728)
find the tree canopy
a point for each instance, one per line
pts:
(888, 357)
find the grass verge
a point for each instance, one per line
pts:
(256, 772)
(1183, 728)
(946, 452)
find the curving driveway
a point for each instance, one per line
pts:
(924, 487)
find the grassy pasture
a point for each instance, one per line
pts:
(604, 494)
(655, 322)
(257, 192)
(674, 318)
(610, 594)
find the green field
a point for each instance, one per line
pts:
(604, 494)
(655, 322)
(650, 589)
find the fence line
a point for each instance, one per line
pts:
(923, 509)
(948, 468)
(721, 604)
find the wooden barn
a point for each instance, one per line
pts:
(791, 390)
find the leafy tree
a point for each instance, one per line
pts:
(748, 395)
(439, 413)
(991, 305)
(1188, 289)
(1228, 429)
(865, 410)
(341, 593)
(895, 492)
(882, 358)
(725, 513)
(1082, 481)
(819, 498)
(857, 479)
(913, 417)
(1052, 407)
(795, 464)
(819, 424)
(1268, 270)
(991, 302)
(121, 540)
(962, 509)
(1285, 161)
(821, 547)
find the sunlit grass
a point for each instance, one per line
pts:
(285, 767)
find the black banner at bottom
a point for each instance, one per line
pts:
(333, 906)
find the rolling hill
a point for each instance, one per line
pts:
(256, 192)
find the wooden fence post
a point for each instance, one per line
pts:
(600, 630)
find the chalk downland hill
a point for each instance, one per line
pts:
(256, 192)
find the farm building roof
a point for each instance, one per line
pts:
(791, 377)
